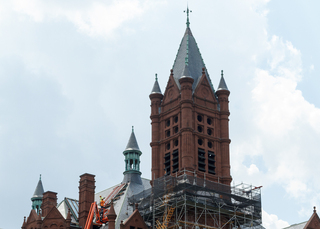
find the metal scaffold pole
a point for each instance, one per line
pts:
(185, 211)
(214, 205)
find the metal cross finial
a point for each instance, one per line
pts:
(156, 77)
(187, 11)
(132, 129)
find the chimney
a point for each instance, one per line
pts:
(48, 202)
(86, 196)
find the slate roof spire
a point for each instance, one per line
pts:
(187, 11)
(156, 88)
(132, 143)
(132, 155)
(189, 54)
(186, 72)
(222, 84)
(37, 196)
(38, 192)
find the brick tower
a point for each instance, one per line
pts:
(190, 131)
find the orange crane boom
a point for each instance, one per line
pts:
(94, 211)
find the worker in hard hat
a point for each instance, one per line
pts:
(102, 202)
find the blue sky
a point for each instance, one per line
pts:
(75, 76)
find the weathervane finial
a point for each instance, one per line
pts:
(187, 11)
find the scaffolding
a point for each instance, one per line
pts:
(185, 202)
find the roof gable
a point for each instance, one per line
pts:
(313, 222)
(135, 219)
(32, 216)
(54, 214)
(172, 91)
(204, 90)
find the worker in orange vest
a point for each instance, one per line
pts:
(102, 202)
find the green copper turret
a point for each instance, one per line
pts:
(37, 196)
(132, 155)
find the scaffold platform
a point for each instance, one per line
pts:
(187, 201)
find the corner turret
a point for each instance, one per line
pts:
(223, 97)
(222, 84)
(132, 155)
(156, 101)
(156, 88)
(223, 94)
(37, 196)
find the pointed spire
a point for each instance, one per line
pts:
(156, 88)
(39, 189)
(69, 215)
(187, 11)
(37, 197)
(132, 155)
(111, 211)
(112, 217)
(132, 143)
(24, 223)
(186, 72)
(222, 84)
(189, 54)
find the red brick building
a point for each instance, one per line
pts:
(190, 153)
(190, 171)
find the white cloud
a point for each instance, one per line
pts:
(311, 68)
(102, 20)
(271, 221)
(253, 169)
(96, 18)
(32, 8)
(288, 124)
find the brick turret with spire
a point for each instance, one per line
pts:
(190, 120)
(155, 97)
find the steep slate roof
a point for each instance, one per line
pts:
(132, 143)
(121, 205)
(71, 204)
(186, 72)
(222, 84)
(156, 88)
(39, 189)
(297, 226)
(189, 54)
